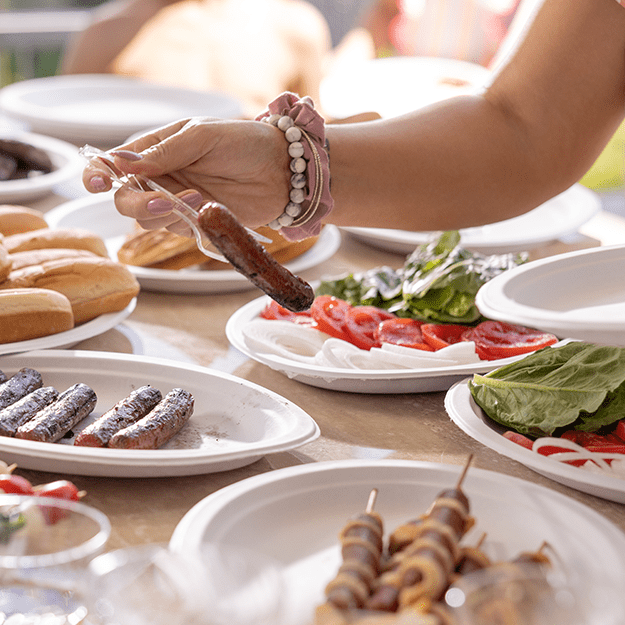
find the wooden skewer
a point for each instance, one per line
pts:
(464, 472)
(373, 495)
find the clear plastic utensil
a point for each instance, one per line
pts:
(137, 182)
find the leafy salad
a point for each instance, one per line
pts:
(578, 385)
(437, 283)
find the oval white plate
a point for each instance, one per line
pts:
(234, 423)
(351, 380)
(69, 165)
(106, 109)
(580, 295)
(396, 85)
(560, 216)
(294, 516)
(472, 420)
(98, 213)
(62, 340)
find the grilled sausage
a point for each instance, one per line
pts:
(57, 419)
(18, 413)
(159, 426)
(125, 412)
(249, 258)
(19, 385)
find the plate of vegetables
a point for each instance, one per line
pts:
(558, 411)
(415, 329)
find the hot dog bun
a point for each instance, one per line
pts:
(18, 219)
(37, 257)
(32, 313)
(75, 238)
(161, 249)
(94, 286)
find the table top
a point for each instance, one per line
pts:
(353, 426)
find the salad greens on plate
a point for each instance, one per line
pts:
(437, 283)
(577, 384)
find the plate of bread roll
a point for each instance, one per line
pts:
(58, 286)
(166, 262)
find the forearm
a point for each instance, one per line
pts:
(480, 159)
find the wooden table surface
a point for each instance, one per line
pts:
(406, 426)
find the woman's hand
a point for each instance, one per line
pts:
(243, 165)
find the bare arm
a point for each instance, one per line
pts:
(475, 160)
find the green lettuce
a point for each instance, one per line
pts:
(577, 384)
(437, 283)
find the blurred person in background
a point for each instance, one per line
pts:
(249, 49)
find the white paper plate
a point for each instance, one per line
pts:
(235, 422)
(560, 216)
(351, 380)
(62, 340)
(397, 85)
(105, 109)
(580, 295)
(64, 156)
(98, 213)
(294, 516)
(472, 420)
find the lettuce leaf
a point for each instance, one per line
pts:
(577, 383)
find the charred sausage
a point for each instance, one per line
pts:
(125, 412)
(249, 258)
(57, 419)
(18, 413)
(159, 426)
(19, 385)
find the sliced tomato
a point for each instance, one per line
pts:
(619, 430)
(15, 484)
(361, 323)
(439, 335)
(402, 331)
(519, 439)
(273, 310)
(330, 312)
(497, 339)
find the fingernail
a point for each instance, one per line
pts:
(127, 155)
(194, 200)
(97, 183)
(159, 206)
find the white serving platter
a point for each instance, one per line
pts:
(106, 109)
(472, 420)
(579, 295)
(64, 156)
(293, 517)
(69, 338)
(393, 381)
(558, 217)
(98, 214)
(235, 422)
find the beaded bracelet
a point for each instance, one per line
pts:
(309, 198)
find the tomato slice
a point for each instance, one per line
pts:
(439, 335)
(273, 310)
(497, 339)
(329, 312)
(361, 323)
(402, 331)
(519, 439)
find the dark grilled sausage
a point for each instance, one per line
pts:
(159, 426)
(18, 413)
(249, 258)
(57, 419)
(19, 385)
(3, 377)
(125, 412)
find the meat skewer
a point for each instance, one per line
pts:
(361, 549)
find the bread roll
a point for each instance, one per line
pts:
(37, 257)
(32, 313)
(75, 238)
(161, 249)
(6, 264)
(94, 286)
(19, 219)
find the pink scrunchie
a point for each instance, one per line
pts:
(302, 112)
